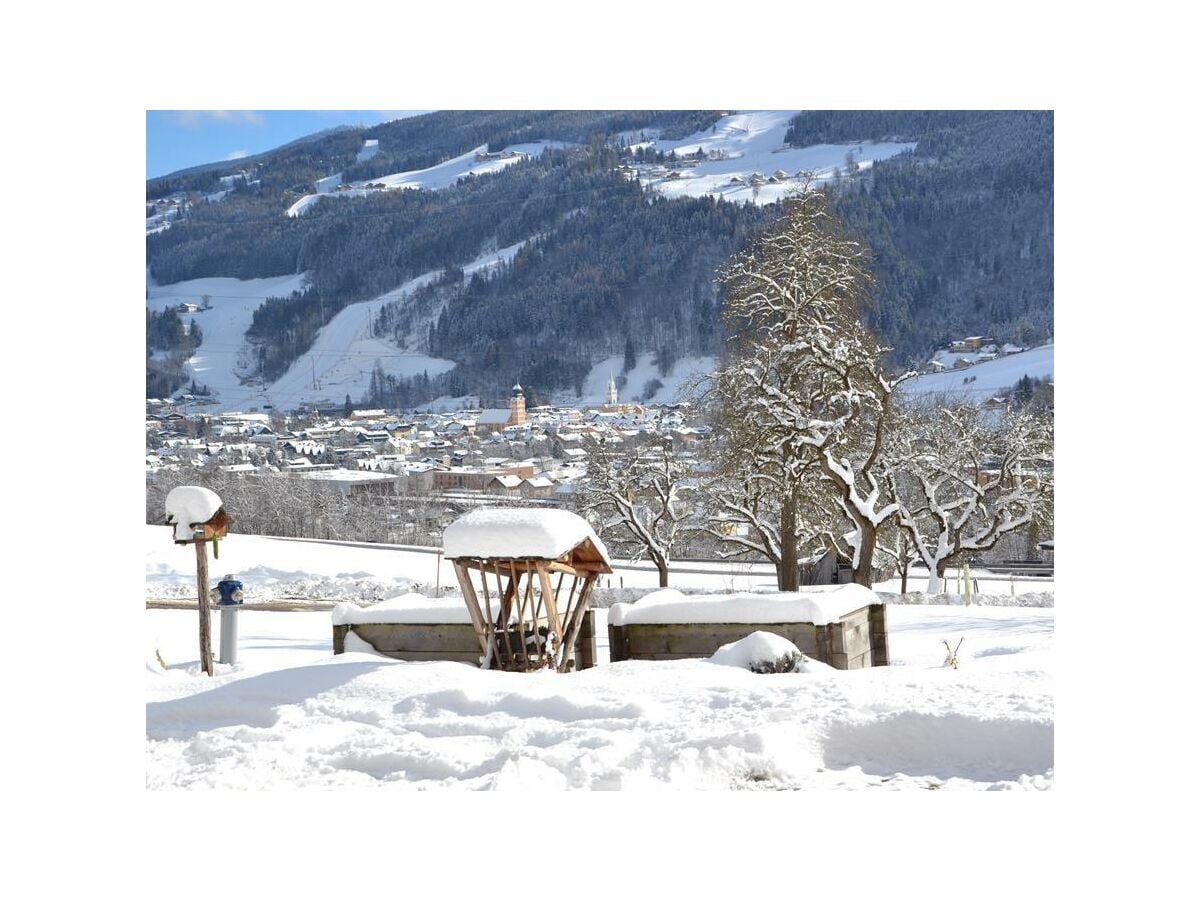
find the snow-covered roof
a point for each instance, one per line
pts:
(517, 534)
(819, 605)
(493, 417)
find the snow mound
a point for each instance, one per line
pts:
(518, 533)
(189, 505)
(819, 605)
(764, 652)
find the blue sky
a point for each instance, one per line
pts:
(176, 139)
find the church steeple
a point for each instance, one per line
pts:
(611, 400)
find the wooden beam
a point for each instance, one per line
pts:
(552, 616)
(581, 606)
(468, 592)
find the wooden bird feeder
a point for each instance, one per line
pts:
(526, 577)
(212, 530)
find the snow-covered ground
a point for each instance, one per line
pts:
(223, 358)
(344, 353)
(752, 143)
(292, 714)
(443, 175)
(279, 568)
(985, 379)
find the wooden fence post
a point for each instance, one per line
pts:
(206, 661)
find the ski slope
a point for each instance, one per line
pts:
(753, 143)
(344, 353)
(223, 359)
(983, 380)
(443, 175)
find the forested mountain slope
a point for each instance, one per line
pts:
(614, 258)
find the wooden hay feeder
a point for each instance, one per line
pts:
(526, 577)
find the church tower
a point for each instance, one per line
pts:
(611, 400)
(516, 406)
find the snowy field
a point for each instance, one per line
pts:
(753, 143)
(985, 379)
(286, 569)
(292, 714)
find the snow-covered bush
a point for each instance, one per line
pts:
(765, 653)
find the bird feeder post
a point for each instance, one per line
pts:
(197, 517)
(206, 661)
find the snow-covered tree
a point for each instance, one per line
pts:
(805, 372)
(640, 496)
(752, 502)
(967, 476)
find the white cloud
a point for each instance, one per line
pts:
(238, 154)
(194, 118)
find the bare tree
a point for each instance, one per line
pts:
(638, 496)
(967, 476)
(806, 373)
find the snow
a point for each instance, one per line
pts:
(189, 505)
(344, 353)
(223, 358)
(368, 149)
(819, 605)
(517, 533)
(410, 609)
(761, 647)
(276, 569)
(290, 714)
(595, 385)
(988, 378)
(443, 175)
(754, 143)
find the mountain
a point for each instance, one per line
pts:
(460, 252)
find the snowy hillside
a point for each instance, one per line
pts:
(639, 381)
(223, 359)
(742, 146)
(442, 175)
(985, 379)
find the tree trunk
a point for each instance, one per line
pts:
(935, 576)
(866, 554)
(904, 579)
(663, 570)
(788, 571)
